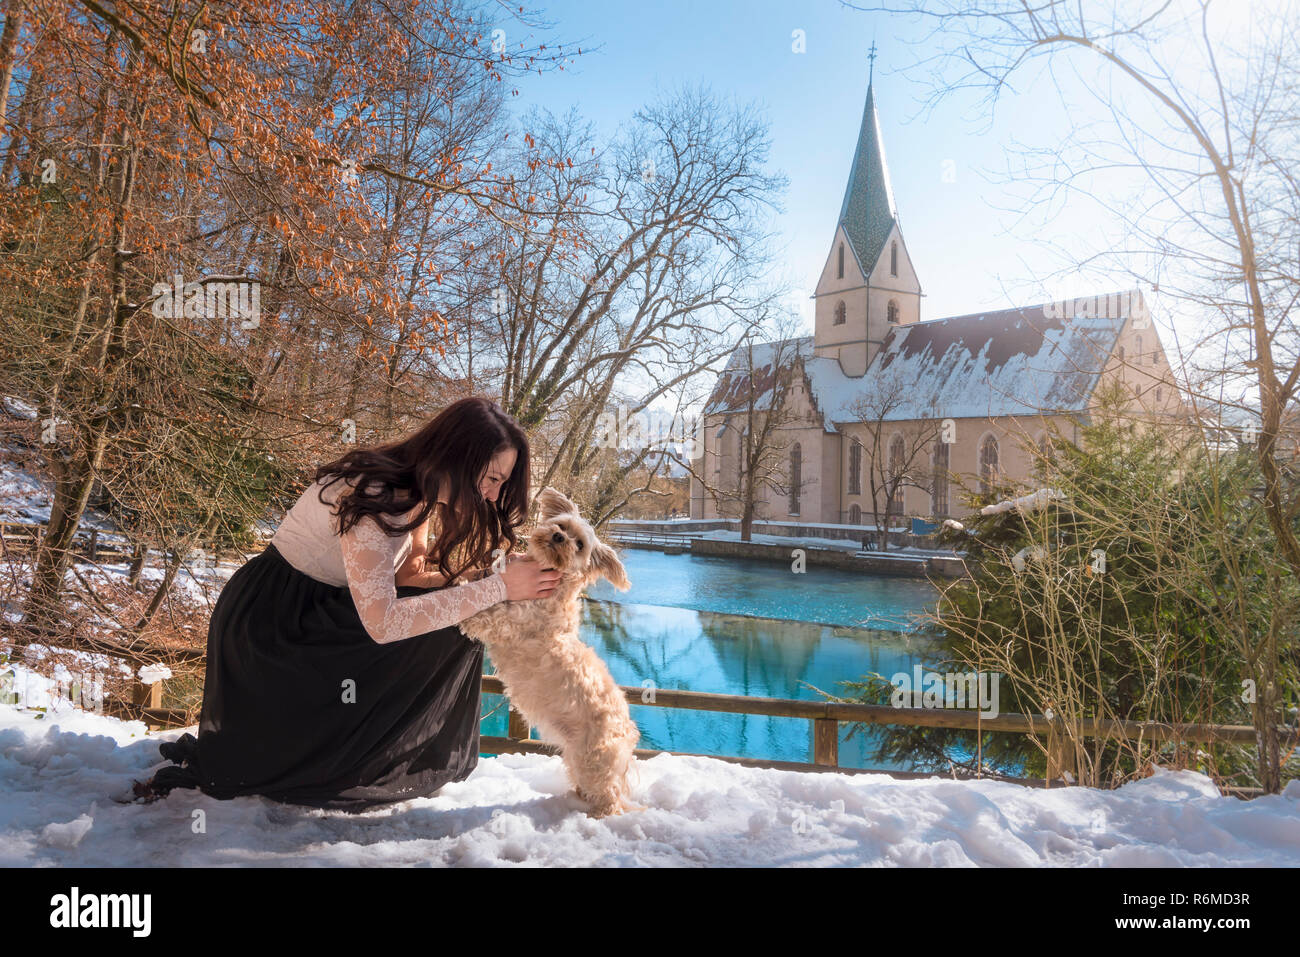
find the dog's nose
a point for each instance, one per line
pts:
(557, 538)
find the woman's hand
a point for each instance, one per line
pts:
(526, 579)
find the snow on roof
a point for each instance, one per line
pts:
(732, 391)
(1022, 361)
(1012, 362)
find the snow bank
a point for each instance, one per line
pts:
(59, 772)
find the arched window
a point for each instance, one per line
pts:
(988, 464)
(741, 456)
(1158, 390)
(839, 269)
(892, 313)
(839, 313)
(1120, 353)
(796, 467)
(855, 468)
(1138, 350)
(897, 452)
(893, 259)
(1046, 453)
(855, 515)
(939, 495)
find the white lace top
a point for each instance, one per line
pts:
(366, 560)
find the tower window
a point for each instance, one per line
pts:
(1120, 353)
(893, 259)
(855, 468)
(839, 270)
(893, 310)
(839, 313)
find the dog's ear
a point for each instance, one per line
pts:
(553, 503)
(605, 560)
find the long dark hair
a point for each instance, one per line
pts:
(457, 446)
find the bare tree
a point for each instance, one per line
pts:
(631, 284)
(899, 446)
(1201, 104)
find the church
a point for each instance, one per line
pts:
(878, 415)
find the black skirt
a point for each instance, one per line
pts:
(302, 706)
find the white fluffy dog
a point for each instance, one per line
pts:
(558, 683)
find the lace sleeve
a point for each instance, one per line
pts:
(368, 556)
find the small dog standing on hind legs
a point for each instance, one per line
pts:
(553, 678)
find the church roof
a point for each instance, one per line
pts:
(868, 212)
(1022, 361)
(732, 390)
(1012, 362)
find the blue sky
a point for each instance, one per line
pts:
(957, 234)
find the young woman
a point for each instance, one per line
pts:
(336, 674)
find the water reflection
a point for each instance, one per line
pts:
(702, 650)
(829, 596)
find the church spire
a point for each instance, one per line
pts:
(868, 212)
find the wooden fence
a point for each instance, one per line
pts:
(825, 718)
(91, 543)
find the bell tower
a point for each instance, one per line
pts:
(868, 284)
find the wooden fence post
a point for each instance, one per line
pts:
(1061, 756)
(516, 726)
(147, 696)
(826, 742)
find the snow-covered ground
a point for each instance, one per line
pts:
(59, 772)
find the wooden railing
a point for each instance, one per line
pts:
(648, 539)
(825, 718)
(92, 543)
(827, 715)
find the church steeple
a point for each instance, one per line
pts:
(868, 213)
(868, 285)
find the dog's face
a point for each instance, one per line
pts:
(563, 540)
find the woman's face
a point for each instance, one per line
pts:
(498, 470)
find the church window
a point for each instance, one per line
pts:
(796, 464)
(855, 468)
(1046, 453)
(893, 311)
(1158, 390)
(939, 497)
(897, 452)
(1139, 351)
(1121, 355)
(855, 515)
(839, 269)
(839, 313)
(988, 464)
(893, 259)
(741, 457)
